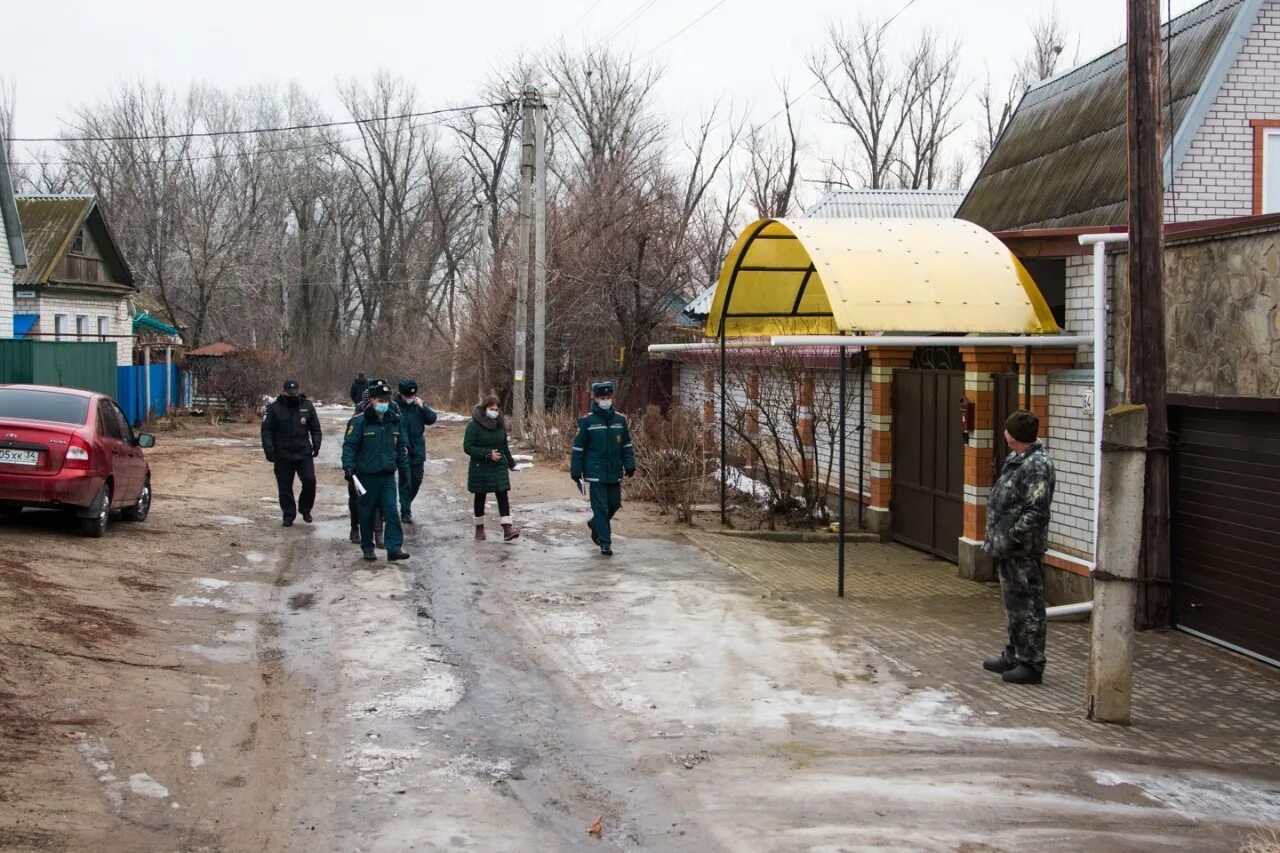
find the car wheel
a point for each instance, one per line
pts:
(140, 510)
(96, 525)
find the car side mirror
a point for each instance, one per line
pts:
(145, 440)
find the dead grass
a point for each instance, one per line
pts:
(1262, 840)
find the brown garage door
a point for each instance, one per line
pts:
(928, 460)
(1226, 527)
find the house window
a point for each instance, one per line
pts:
(104, 328)
(1266, 166)
(77, 242)
(82, 327)
(61, 322)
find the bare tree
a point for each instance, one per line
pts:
(867, 93)
(773, 164)
(931, 117)
(1049, 35)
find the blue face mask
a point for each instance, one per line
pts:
(605, 404)
(381, 408)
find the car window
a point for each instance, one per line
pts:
(109, 424)
(126, 431)
(43, 406)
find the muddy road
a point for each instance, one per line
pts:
(211, 681)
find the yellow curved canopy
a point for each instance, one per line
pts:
(827, 276)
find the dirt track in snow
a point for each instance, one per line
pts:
(209, 681)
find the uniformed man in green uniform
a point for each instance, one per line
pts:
(602, 454)
(372, 453)
(415, 417)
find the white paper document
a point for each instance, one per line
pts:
(355, 481)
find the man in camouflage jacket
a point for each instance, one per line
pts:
(1016, 538)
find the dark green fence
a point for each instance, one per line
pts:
(88, 366)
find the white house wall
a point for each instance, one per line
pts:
(115, 308)
(1215, 179)
(6, 284)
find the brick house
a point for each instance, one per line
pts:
(13, 253)
(77, 286)
(1060, 170)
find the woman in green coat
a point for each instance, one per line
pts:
(485, 443)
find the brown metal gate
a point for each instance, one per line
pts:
(1226, 527)
(928, 460)
(1006, 403)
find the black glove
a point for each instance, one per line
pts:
(631, 472)
(315, 452)
(346, 474)
(271, 457)
(577, 480)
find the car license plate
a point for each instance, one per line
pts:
(19, 457)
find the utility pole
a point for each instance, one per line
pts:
(540, 260)
(528, 101)
(1146, 301)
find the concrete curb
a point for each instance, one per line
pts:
(851, 538)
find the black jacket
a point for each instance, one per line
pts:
(357, 390)
(291, 429)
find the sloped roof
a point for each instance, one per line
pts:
(9, 212)
(1062, 159)
(50, 223)
(887, 204)
(143, 320)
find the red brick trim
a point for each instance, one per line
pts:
(1066, 565)
(1260, 127)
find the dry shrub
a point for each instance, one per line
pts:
(551, 433)
(1263, 840)
(674, 456)
(239, 380)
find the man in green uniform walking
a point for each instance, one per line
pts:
(602, 454)
(372, 452)
(415, 417)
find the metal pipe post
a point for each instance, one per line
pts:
(862, 430)
(1027, 382)
(724, 474)
(844, 370)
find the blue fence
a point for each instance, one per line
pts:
(132, 388)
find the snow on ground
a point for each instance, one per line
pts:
(740, 482)
(1205, 795)
(451, 418)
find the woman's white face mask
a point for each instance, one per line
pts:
(491, 413)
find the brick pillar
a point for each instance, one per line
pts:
(805, 427)
(1043, 362)
(979, 365)
(884, 360)
(753, 414)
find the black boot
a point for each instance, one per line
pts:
(1023, 673)
(1000, 664)
(355, 534)
(368, 554)
(594, 538)
(397, 555)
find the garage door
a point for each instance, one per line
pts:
(1226, 528)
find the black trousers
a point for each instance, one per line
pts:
(504, 503)
(305, 470)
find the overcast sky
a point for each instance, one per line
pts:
(67, 53)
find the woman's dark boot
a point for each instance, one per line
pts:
(480, 529)
(508, 531)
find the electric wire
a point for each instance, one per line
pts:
(682, 30)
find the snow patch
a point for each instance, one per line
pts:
(465, 766)
(523, 466)
(198, 601)
(522, 457)
(255, 557)
(196, 758)
(451, 418)
(1205, 795)
(740, 482)
(144, 786)
(374, 762)
(212, 583)
(218, 442)
(439, 691)
(230, 520)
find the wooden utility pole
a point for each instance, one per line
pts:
(540, 260)
(1146, 300)
(528, 100)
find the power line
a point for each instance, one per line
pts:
(683, 30)
(246, 131)
(583, 16)
(630, 19)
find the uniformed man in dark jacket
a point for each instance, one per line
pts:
(602, 454)
(291, 441)
(358, 388)
(415, 417)
(372, 454)
(1017, 537)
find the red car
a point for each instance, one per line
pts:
(66, 449)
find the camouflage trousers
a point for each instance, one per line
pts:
(1022, 585)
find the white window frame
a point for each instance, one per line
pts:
(1269, 204)
(82, 327)
(61, 324)
(104, 328)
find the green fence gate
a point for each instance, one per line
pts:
(67, 364)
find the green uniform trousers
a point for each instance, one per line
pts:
(409, 487)
(380, 493)
(606, 500)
